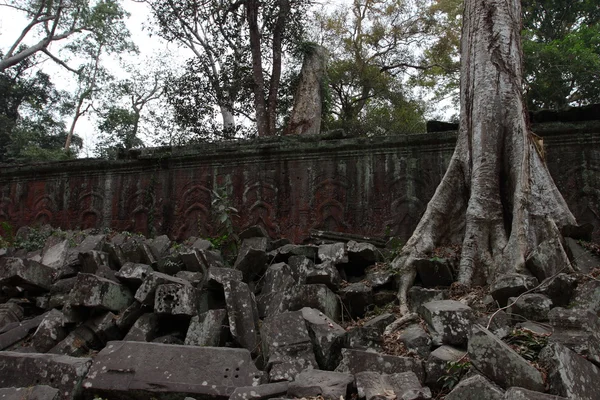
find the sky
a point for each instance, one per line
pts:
(12, 23)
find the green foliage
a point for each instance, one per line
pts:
(34, 240)
(454, 373)
(223, 213)
(527, 343)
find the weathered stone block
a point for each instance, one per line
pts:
(260, 392)
(40, 392)
(56, 255)
(10, 313)
(531, 306)
(547, 259)
(438, 362)
(92, 260)
(375, 386)
(560, 289)
(370, 334)
(517, 393)
(417, 296)
(476, 388)
(511, 285)
(95, 292)
(30, 275)
(355, 361)
(146, 293)
(144, 329)
(325, 273)
(583, 260)
(335, 253)
(569, 374)
(285, 338)
(496, 360)
(357, 297)
(330, 385)
(207, 329)
(252, 258)
(133, 273)
(136, 370)
(449, 321)
(416, 340)
(30, 369)
(327, 337)
(176, 299)
(434, 272)
(16, 332)
(242, 314)
(50, 331)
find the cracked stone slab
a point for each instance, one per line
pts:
(30, 369)
(327, 337)
(499, 362)
(39, 392)
(243, 315)
(140, 371)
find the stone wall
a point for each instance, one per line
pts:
(368, 186)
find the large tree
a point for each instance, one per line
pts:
(497, 197)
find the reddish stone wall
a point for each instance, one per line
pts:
(367, 186)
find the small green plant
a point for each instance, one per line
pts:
(7, 237)
(35, 239)
(455, 372)
(527, 343)
(224, 213)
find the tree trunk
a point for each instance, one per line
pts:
(308, 99)
(262, 118)
(497, 196)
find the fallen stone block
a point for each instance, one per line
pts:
(517, 393)
(417, 296)
(584, 260)
(288, 370)
(319, 297)
(195, 261)
(127, 317)
(10, 313)
(134, 274)
(285, 338)
(560, 289)
(475, 388)
(438, 362)
(587, 296)
(146, 293)
(136, 370)
(355, 361)
(260, 392)
(547, 259)
(40, 392)
(30, 369)
(327, 337)
(176, 299)
(531, 306)
(208, 329)
(357, 297)
(362, 253)
(276, 280)
(416, 340)
(252, 258)
(95, 292)
(574, 318)
(160, 246)
(30, 275)
(325, 273)
(449, 321)
(497, 361)
(283, 253)
(379, 278)
(56, 255)
(243, 315)
(144, 329)
(195, 278)
(434, 272)
(569, 375)
(92, 260)
(300, 266)
(50, 331)
(329, 385)
(335, 253)
(370, 334)
(375, 386)
(511, 285)
(16, 332)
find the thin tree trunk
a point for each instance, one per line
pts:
(284, 9)
(497, 196)
(262, 118)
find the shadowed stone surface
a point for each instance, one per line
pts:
(136, 370)
(134, 273)
(496, 360)
(50, 331)
(28, 274)
(511, 285)
(30, 369)
(327, 337)
(355, 361)
(517, 393)
(146, 293)
(531, 306)
(207, 329)
(260, 392)
(144, 329)
(438, 362)
(176, 299)
(243, 315)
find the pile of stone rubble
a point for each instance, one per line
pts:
(117, 316)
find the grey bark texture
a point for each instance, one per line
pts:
(497, 197)
(308, 99)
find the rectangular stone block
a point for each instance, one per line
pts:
(41, 392)
(30, 275)
(95, 292)
(137, 370)
(29, 369)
